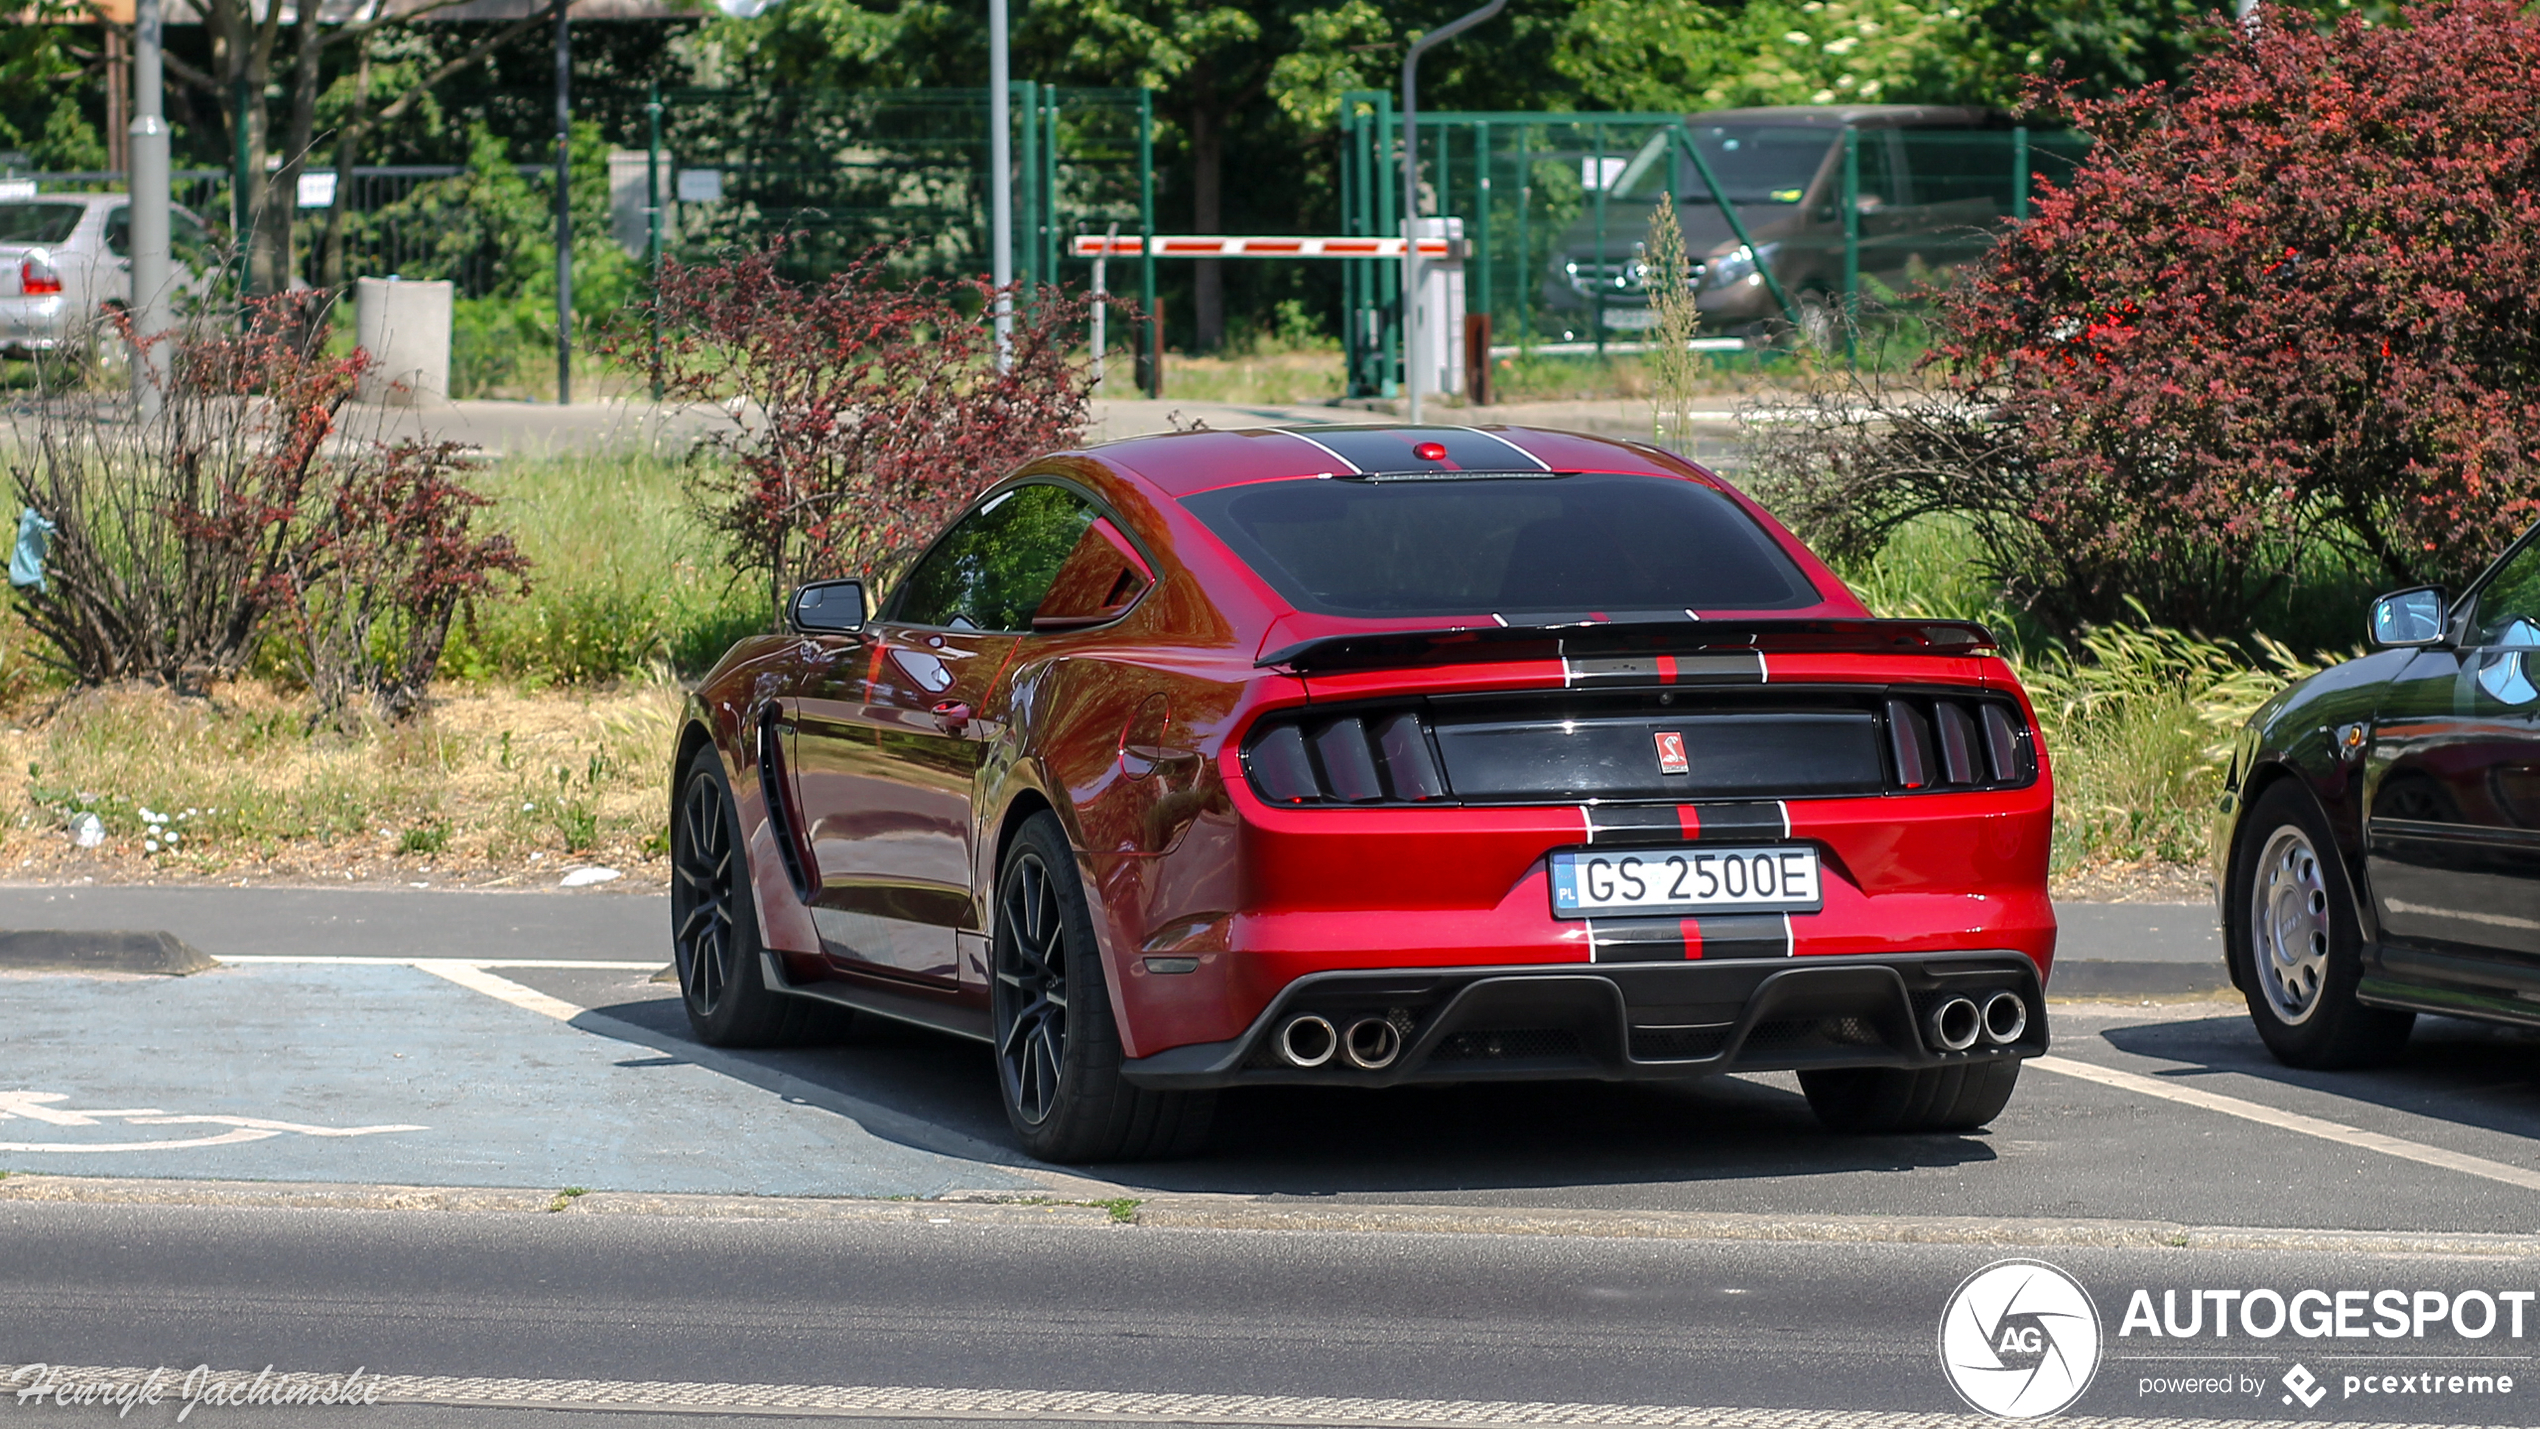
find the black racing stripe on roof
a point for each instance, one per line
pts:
(1389, 449)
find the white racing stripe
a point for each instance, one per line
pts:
(1061, 1405)
(477, 979)
(2292, 1121)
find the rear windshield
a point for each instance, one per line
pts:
(1562, 545)
(38, 222)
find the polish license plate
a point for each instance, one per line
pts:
(1696, 878)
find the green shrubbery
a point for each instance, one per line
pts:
(628, 577)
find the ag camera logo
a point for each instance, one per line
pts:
(2019, 1339)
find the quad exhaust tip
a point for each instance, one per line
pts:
(2005, 1018)
(1307, 1041)
(1372, 1044)
(1954, 1024)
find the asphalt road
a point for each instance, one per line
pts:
(438, 1039)
(369, 1051)
(1114, 1313)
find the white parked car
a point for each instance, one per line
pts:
(67, 258)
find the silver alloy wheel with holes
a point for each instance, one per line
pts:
(703, 889)
(1031, 989)
(2288, 925)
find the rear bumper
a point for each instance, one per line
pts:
(1622, 1021)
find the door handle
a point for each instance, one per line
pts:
(953, 715)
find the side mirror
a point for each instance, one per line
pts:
(827, 608)
(2409, 617)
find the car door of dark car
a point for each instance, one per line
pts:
(1959, 187)
(2452, 835)
(888, 780)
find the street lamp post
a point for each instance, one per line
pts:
(148, 183)
(1411, 187)
(1000, 182)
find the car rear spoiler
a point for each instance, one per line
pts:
(1395, 649)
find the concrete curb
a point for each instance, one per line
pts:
(72, 951)
(1244, 1213)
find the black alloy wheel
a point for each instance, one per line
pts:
(1057, 1046)
(1031, 988)
(714, 932)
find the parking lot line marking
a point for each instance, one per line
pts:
(476, 979)
(2293, 1121)
(619, 965)
(1061, 1405)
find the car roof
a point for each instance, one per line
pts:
(1186, 463)
(1836, 116)
(92, 200)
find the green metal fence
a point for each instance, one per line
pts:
(844, 170)
(1816, 224)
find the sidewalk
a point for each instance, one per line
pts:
(535, 429)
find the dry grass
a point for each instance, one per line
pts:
(490, 787)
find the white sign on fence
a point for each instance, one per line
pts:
(700, 186)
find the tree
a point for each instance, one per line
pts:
(247, 60)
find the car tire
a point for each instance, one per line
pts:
(1057, 1046)
(1893, 1100)
(714, 931)
(2296, 950)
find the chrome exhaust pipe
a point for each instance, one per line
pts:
(2005, 1018)
(1954, 1024)
(1307, 1041)
(1372, 1044)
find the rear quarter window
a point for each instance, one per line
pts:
(1576, 544)
(38, 222)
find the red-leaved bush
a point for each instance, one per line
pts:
(864, 411)
(2297, 299)
(176, 538)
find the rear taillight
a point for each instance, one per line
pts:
(37, 276)
(1945, 743)
(1370, 759)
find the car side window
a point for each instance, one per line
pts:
(2509, 605)
(188, 243)
(992, 569)
(119, 231)
(1959, 166)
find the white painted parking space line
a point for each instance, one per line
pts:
(2293, 1121)
(655, 965)
(476, 979)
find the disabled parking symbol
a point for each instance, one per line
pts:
(46, 1109)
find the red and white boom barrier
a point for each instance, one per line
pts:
(1211, 245)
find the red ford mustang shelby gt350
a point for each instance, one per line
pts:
(1364, 756)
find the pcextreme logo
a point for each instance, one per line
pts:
(2019, 1339)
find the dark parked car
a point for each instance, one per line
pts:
(2379, 846)
(1936, 183)
(1365, 756)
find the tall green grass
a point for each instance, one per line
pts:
(624, 577)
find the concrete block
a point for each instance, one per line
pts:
(405, 327)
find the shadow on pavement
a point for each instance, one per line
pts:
(2467, 1073)
(938, 1093)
